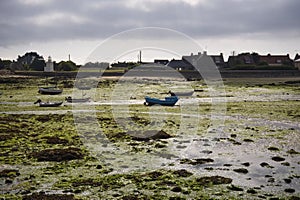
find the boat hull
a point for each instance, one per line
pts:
(50, 90)
(168, 101)
(50, 104)
(82, 100)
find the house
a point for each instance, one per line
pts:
(186, 62)
(253, 60)
(219, 60)
(297, 56)
(275, 60)
(161, 61)
(180, 65)
(297, 63)
(241, 59)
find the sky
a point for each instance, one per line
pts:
(59, 28)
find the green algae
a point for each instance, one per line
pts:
(23, 135)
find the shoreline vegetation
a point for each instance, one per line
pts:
(116, 148)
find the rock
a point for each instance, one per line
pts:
(182, 173)
(9, 173)
(215, 180)
(55, 140)
(264, 164)
(292, 151)
(287, 180)
(246, 164)
(248, 140)
(197, 161)
(285, 164)
(271, 180)
(241, 170)
(235, 188)
(176, 189)
(206, 151)
(278, 158)
(41, 195)
(273, 149)
(147, 135)
(289, 190)
(251, 191)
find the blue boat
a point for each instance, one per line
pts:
(168, 101)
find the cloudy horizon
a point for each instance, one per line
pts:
(62, 27)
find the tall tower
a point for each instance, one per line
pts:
(49, 65)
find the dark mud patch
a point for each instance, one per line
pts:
(43, 196)
(59, 155)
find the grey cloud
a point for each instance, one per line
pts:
(218, 18)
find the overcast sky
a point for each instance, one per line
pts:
(77, 27)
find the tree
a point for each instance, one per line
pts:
(66, 66)
(5, 64)
(37, 65)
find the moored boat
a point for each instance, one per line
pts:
(168, 101)
(50, 90)
(77, 100)
(48, 104)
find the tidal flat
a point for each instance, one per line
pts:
(235, 140)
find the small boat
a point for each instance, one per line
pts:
(48, 104)
(50, 90)
(78, 100)
(168, 101)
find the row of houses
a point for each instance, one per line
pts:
(240, 61)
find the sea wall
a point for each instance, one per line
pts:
(187, 74)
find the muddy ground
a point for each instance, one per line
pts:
(235, 140)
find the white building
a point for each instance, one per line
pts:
(49, 65)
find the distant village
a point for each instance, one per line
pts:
(32, 61)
